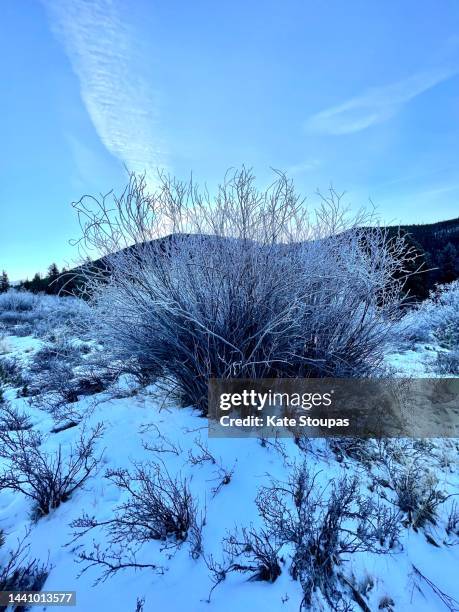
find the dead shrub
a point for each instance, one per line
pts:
(20, 573)
(324, 524)
(159, 507)
(48, 479)
(244, 284)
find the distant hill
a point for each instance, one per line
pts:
(437, 246)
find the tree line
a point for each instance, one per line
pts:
(51, 283)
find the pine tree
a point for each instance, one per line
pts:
(52, 281)
(4, 282)
(36, 283)
(448, 263)
(53, 271)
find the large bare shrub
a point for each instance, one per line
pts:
(245, 283)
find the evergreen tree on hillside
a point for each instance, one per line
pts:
(53, 271)
(448, 263)
(4, 282)
(417, 270)
(52, 280)
(36, 284)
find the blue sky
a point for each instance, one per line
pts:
(361, 94)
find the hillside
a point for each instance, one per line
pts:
(437, 245)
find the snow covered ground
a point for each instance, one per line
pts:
(140, 425)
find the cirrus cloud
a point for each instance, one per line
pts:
(375, 105)
(121, 103)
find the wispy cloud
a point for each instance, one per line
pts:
(439, 190)
(376, 104)
(119, 99)
(303, 167)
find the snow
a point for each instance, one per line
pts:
(18, 346)
(417, 361)
(137, 417)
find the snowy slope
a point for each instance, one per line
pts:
(138, 418)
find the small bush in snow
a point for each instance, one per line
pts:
(11, 372)
(158, 507)
(452, 523)
(57, 316)
(246, 551)
(18, 301)
(40, 315)
(386, 603)
(321, 525)
(409, 474)
(62, 348)
(139, 604)
(324, 526)
(352, 448)
(18, 573)
(51, 373)
(436, 319)
(448, 363)
(417, 492)
(52, 382)
(256, 552)
(49, 479)
(62, 371)
(11, 419)
(245, 285)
